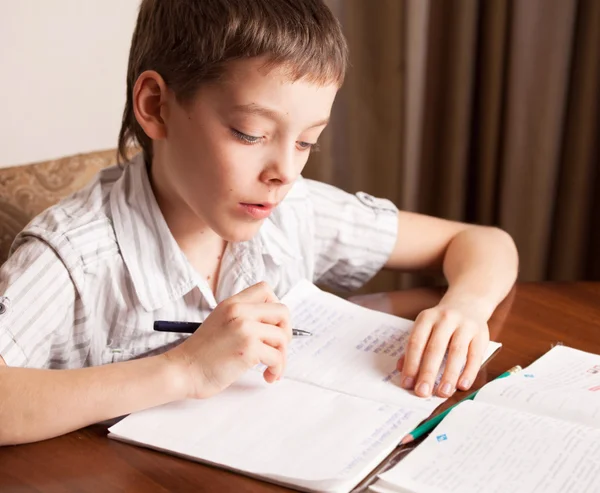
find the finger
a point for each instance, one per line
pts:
(272, 335)
(276, 314)
(414, 349)
(400, 364)
(474, 359)
(269, 313)
(273, 360)
(434, 355)
(258, 293)
(457, 355)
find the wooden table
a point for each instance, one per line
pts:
(532, 319)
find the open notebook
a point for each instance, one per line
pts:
(335, 415)
(535, 431)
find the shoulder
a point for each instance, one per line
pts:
(306, 195)
(306, 189)
(315, 200)
(79, 226)
(80, 208)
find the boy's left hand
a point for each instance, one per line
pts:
(454, 327)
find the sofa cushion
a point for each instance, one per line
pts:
(27, 190)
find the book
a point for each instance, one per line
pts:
(534, 431)
(336, 414)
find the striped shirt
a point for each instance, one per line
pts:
(87, 278)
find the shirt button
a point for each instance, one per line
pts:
(3, 305)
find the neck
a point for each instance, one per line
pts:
(191, 233)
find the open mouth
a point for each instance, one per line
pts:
(258, 210)
(261, 206)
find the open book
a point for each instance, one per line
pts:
(337, 413)
(534, 431)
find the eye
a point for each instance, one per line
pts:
(307, 146)
(247, 139)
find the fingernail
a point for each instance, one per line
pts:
(464, 383)
(446, 389)
(423, 388)
(408, 382)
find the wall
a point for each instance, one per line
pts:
(62, 76)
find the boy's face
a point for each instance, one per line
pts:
(232, 154)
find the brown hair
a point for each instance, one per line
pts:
(189, 42)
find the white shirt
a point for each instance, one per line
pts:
(88, 277)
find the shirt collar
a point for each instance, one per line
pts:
(274, 243)
(158, 268)
(274, 237)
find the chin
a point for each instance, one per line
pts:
(240, 232)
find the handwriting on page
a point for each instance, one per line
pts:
(323, 324)
(384, 340)
(343, 339)
(560, 384)
(491, 449)
(352, 349)
(379, 435)
(281, 425)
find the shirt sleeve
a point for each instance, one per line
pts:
(354, 235)
(37, 298)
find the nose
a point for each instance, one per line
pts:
(281, 169)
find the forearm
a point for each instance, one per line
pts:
(39, 404)
(480, 265)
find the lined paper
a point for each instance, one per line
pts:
(479, 447)
(335, 415)
(564, 383)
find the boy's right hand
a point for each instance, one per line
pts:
(249, 328)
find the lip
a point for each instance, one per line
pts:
(258, 210)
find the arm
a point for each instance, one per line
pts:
(480, 265)
(245, 330)
(39, 404)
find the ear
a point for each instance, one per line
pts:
(149, 104)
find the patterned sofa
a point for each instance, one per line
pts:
(27, 190)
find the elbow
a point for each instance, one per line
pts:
(504, 247)
(506, 240)
(503, 237)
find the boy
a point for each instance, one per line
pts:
(213, 223)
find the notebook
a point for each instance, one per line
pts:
(535, 431)
(336, 414)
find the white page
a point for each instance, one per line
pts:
(336, 414)
(564, 383)
(352, 349)
(380, 488)
(288, 432)
(482, 448)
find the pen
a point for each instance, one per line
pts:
(430, 424)
(190, 328)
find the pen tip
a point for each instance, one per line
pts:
(300, 332)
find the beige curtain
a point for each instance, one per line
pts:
(484, 111)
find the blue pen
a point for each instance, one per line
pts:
(190, 328)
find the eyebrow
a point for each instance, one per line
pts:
(255, 109)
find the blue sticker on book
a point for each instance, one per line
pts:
(528, 375)
(441, 438)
